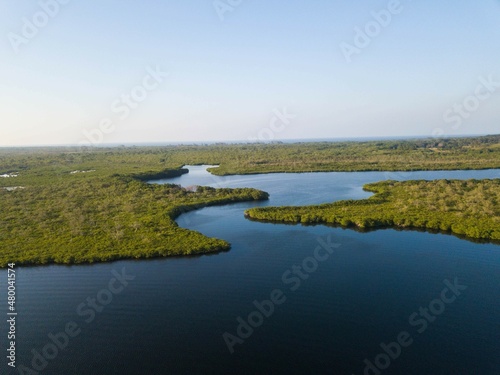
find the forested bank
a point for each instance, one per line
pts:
(74, 205)
(250, 158)
(89, 219)
(469, 208)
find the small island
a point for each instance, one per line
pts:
(469, 208)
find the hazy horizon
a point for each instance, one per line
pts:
(286, 141)
(218, 71)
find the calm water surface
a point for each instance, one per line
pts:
(170, 319)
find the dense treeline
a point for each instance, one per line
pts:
(410, 155)
(470, 208)
(70, 205)
(168, 173)
(425, 154)
(88, 219)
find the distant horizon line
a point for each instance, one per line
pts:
(276, 141)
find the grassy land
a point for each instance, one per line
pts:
(84, 219)
(106, 210)
(429, 154)
(470, 208)
(426, 154)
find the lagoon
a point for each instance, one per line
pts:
(336, 319)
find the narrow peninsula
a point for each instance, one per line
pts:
(70, 205)
(469, 208)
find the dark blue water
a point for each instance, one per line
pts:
(331, 315)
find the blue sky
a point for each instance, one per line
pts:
(227, 78)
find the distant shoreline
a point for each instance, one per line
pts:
(242, 142)
(113, 213)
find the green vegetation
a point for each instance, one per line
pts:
(469, 208)
(83, 219)
(411, 155)
(71, 205)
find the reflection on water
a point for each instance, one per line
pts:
(171, 318)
